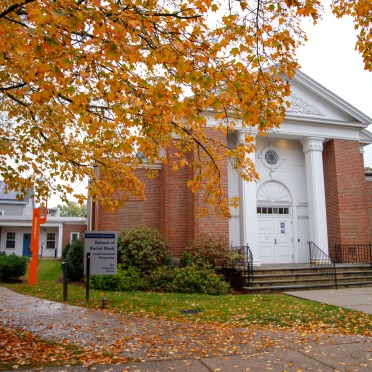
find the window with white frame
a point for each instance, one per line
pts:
(272, 210)
(51, 241)
(74, 236)
(10, 240)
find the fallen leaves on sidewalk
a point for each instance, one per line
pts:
(20, 350)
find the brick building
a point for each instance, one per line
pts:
(312, 186)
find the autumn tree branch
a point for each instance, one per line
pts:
(14, 7)
(20, 85)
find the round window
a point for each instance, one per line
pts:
(271, 157)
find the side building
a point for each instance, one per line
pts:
(16, 221)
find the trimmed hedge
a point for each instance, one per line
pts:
(125, 280)
(12, 266)
(190, 279)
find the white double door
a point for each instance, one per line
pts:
(275, 239)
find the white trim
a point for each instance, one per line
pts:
(320, 91)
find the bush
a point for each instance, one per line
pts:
(12, 266)
(144, 248)
(189, 279)
(161, 279)
(210, 252)
(125, 280)
(65, 251)
(75, 260)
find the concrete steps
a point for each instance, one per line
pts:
(280, 278)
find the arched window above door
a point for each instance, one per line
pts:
(273, 192)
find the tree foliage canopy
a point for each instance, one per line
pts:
(72, 209)
(87, 84)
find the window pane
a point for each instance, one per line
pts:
(51, 240)
(74, 236)
(10, 240)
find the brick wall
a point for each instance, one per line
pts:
(68, 228)
(135, 212)
(212, 223)
(175, 207)
(170, 207)
(345, 188)
(369, 203)
(332, 196)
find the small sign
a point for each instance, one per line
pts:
(103, 249)
(282, 231)
(282, 225)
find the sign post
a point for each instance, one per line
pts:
(101, 248)
(37, 220)
(87, 280)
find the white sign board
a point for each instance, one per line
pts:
(103, 249)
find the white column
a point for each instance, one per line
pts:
(248, 210)
(313, 148)
(60, 239)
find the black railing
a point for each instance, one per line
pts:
(322, 262)
(245, 264)
(353, 253)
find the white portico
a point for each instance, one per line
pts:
(286, 208)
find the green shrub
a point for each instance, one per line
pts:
(211, 252)
(75, 260)
(161, 279)
(65, 251)
(12, 266)
(189, 279)
(193, 279)
(144, 248)
(125, 280)
(132, 280)
(105, 282)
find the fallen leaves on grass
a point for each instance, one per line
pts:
(23, 349)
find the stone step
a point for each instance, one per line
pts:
(316, 275)
(284, 288)
(268, 279)
(340, 270)
(305, 281)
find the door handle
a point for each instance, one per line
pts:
(275, 240)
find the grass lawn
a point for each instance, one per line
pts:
(275, 311)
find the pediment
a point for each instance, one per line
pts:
(314, 102)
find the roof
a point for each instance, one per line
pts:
(10, 195)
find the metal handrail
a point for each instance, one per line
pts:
(322, 262)
(247, 262)
(353, 252)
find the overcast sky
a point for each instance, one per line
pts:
(329, 57)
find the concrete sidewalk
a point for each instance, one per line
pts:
(358, 299)
(172, 346)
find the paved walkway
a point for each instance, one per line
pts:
(171, 346)
(358, 299)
